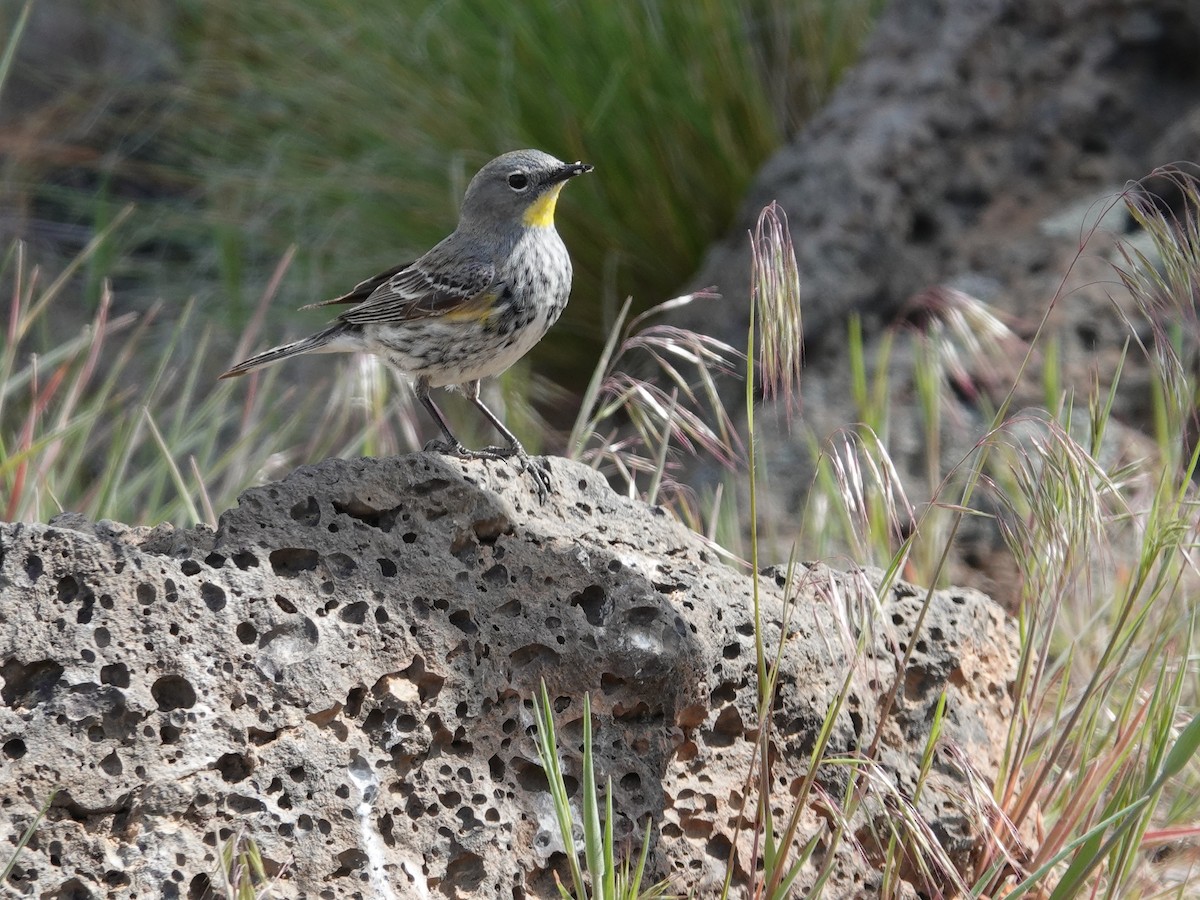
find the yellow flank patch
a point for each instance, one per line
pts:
(477, 309)
(541, 213)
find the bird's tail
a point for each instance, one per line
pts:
(327, 341)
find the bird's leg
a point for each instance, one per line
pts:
(539, 469)
(451, 444)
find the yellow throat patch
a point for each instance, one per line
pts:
(541, 213)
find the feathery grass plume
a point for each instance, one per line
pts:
(972, 347)
(877, 512)
(775, 290)
(242, 871)
(685, 409)
(1164, 281)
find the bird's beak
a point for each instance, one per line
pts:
(570, 170)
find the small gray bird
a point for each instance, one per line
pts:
(470, 307)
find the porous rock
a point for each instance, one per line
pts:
(344, 670)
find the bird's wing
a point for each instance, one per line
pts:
(363, 289)
(423, 292)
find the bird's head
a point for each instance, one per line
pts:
(520, 187)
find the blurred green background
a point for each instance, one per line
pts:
(349, 129)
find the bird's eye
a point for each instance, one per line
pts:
(518, 181)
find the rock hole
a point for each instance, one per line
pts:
(595, 604)
(638, 712)
(285, 604)
(723, 693)
(369, 515)
(260, 738)
(534, 654)
(464, 873)
(495, 765)
(642, 616)
(245, 560)
(349, 861)
(111, 765)
(234, 767)
(387, 568)
(496, 576)
(922, 227)
(213, 596)
(307, 512)
(461, 619)
(116, 674)
(429, 684)
(354, 700)
(245, 805)
(291, 561)
(718, 847)
(15, 748)
(727, 728)
(529, 776)
(68, 589)
(610, 682)
(355, 613)
(28, 685)
(173, 692)
(340, 565)
(33, 567)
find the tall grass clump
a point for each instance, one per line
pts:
(1099, 773)
(597, 874)
(121, 421)
(1099, 767)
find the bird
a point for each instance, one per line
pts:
(470, 307)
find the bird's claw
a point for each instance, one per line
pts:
(539, 469)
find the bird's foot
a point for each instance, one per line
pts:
(539, 469)
(536, 467)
